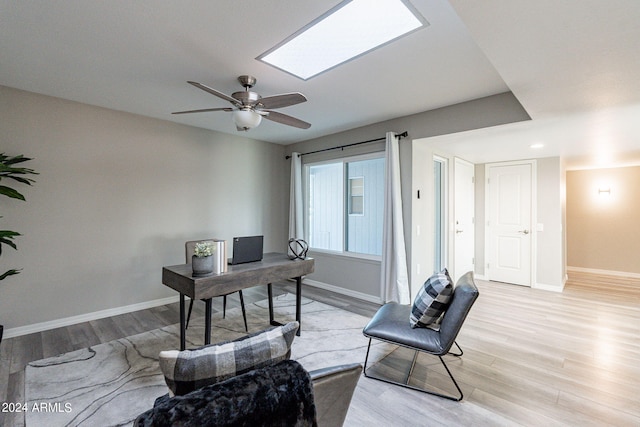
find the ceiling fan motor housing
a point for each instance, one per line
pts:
(246, 97)
(247, 81)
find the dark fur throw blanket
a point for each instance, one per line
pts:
(279, 395)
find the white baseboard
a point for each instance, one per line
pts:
(542, 286)
(604, 272)
(58, 323)
(343, 291)
(546, 287)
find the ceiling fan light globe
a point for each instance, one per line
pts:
(246, 119)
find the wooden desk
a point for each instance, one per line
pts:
(273, 267)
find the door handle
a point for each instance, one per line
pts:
(524, 231)
(459, 231)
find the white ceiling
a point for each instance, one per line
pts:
(572, 64)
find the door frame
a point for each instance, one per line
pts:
(534, 210)
(454, 217)
(444, 213)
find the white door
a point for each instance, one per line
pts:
(509, 202)
(464, 228)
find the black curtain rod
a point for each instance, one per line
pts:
(341, 147)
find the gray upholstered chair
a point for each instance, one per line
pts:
(250, 381)
(332, 387)
(391, 324)
(188, 249)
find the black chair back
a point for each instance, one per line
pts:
(464, 295)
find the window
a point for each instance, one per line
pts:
(349, 30)
(344, 205)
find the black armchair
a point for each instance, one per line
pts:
(391, 324)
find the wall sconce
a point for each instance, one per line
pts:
(604, 191)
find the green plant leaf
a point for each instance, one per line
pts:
(8, 273)
(10, 192)
(8, 243)
(7, 170)
(9, 233)
(4, 233)
(27, 181)
(16, 159)
(6, 237)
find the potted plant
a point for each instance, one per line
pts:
(8, 170)
(202, 259)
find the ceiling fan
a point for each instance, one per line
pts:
(249, 107)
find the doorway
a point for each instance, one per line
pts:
(510, 193)
(464, 221)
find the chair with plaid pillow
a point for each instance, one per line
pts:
(430, 326)
(210, 385)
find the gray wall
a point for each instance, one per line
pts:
(490, 111)
(551, 241)
(117, 196)
(480, 219)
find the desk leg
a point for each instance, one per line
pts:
(182, 323)
(270, 294)
(207, 321)
(272, 321)
(299, 303)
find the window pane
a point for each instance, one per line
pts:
(326, 206)
(364, 231)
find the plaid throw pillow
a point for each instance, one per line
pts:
(188, 370)
(432, 300)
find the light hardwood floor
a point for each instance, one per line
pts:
(531, 357)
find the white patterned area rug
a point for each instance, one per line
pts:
(110, 384)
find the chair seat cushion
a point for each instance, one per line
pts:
(189, 370)
(432, 300)
(390, 324)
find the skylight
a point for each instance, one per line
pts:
(347, 31)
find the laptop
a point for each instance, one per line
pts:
(246, 249)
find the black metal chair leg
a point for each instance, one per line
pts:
(406, 385)
(366, 358)
(224, 306)
(460, 352)
(454, 383)
(244, 313)
(189, 315)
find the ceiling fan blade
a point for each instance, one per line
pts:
(204, 110)
(284, 100)
(214, 92)
(274, 116)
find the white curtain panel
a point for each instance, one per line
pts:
(296, 229)
(393, 272)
